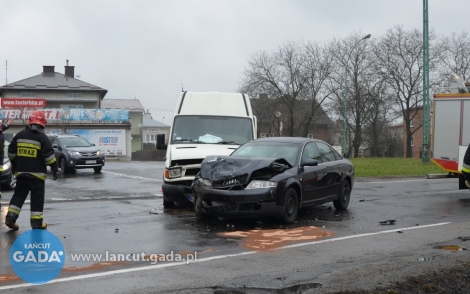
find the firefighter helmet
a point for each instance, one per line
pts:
(38, 117)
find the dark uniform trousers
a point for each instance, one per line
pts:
(24, 184)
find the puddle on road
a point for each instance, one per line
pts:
(450, 247)
(264, 240)
(292, 289)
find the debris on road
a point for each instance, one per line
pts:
(388, 222)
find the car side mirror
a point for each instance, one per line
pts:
(309, 162)
(55, 146)
(92, 144)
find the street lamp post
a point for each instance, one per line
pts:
(345, 94)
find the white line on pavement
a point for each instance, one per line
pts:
(132, 177)
(165, 265)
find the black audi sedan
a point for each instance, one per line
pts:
(273, 177)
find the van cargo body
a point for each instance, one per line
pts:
(450, 131)
(205, 123)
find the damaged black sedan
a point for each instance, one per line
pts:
(273, 177)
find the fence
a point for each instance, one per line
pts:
(149, 155)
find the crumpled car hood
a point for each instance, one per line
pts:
(216, 168)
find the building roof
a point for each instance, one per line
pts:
(148, 121)
(130, 104)
(52, 81)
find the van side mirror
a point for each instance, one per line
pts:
(161, 142)
(55, 146)
(92, 144)
(309, 162)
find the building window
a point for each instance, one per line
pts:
(28, 95)
(412, 140)
(153, 130)
(151, 138)
(75, 95)
(310, 136)
(271, 135)
(71, 106)
(263, 135)
(411, 123)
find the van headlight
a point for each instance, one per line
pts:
(74, 153)
(173, 172)
(261, 184)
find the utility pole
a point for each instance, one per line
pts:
(426, 102)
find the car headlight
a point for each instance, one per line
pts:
(98, 152)
(74, 153)
(6, 166)
(174, 172)
(261, 184)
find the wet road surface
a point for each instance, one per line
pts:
(120, 211)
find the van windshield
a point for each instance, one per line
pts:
(211, 130)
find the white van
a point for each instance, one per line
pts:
(205, 123)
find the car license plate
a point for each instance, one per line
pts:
(90, 161)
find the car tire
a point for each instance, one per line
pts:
(98, 169)
(168, 204)
(291, 206)
(63, 166)
(344, 196)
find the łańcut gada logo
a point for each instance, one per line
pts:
(37, 256)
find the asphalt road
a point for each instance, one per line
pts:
(120, 212)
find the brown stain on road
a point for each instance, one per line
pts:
(265, 240)
(8, 278)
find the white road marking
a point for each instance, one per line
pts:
(130, 176)
(165, 265)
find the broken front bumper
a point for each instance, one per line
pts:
(239, 203)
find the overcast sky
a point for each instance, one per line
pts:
(143, 49)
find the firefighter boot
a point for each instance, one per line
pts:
(36, 222)
(10, 220)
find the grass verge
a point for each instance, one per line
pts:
(393, 167)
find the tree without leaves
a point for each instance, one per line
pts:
(294, 77)
(399, 61)
(455, 56)
(357, 72)
(279, 75)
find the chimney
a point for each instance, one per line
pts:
(47, 68)
(69, 70)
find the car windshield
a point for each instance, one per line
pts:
(74, 142)
(211, 130)
(288, 151)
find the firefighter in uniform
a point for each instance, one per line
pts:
(466, 167)
(2, 143)
(30, 152)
